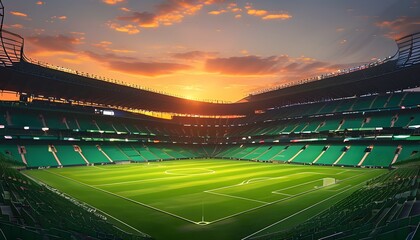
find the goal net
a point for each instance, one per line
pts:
(328, 181)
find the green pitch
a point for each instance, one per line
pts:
(206, 199)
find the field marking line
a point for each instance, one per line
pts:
(103, 212)
(336, 190)
(260, 179)
(298, 212)
(233, 196)
(125, 198)
(285, 194)
(346, 171)
(266, 179)
(171, 171)
(134, 181)
(322, 187)
(279, 190)
(252, 180)
(119, 167)
(101, 168)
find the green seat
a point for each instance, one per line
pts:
(331, 155)
(310, 153)
(68, 156)
(380, 156)
(93, 155)
(39, 156)
(353, 156)
(288, 153)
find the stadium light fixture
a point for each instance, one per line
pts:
(8, 137)
(402, 136)
(45, 129)
(26, 127)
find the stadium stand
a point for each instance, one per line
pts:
(68, 155)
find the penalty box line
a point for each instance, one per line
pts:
(283, 199)
(256, 180)
(301, 211)
(237, 197)
(127, 199)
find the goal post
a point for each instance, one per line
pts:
(328, 181)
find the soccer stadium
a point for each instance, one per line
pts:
(334, 156)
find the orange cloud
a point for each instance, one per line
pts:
(18, 14)
(129, 28)
(217, 12)
(40, 3)
(267, 15)
(255, 12)
(112, 2)
(62, 18)
(282, 16)
(167, 13)
(105, 45)
(400, 27)
(102, 44)
(16, 26)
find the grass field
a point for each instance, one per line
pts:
(206, 199)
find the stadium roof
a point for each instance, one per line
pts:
(21, 76)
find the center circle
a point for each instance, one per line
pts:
(189, 171)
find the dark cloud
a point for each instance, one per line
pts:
(135, 66)
(58, 43)
(107, 57)
(287, 68)
(400, 27)
(194, 55)
(140, 18)
(150, 69)
(248, 65)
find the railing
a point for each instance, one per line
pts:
(408, 50)
(11, 44)
(324, 76)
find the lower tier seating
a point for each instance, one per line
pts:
(379, 155)
(341, 154)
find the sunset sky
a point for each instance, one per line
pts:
(210, 49)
